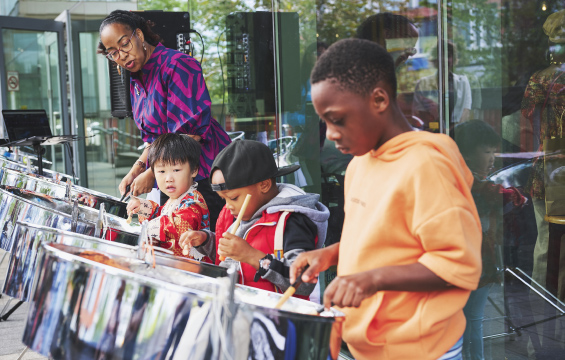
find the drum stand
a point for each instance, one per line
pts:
(40, 151)
(37, 144)
(4, 315)
(548, 298)
(21, 356)
(1, 261)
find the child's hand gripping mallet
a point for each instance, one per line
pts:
(291, 290)
(129, 219)
(238, 220)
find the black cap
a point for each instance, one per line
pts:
(246, 162)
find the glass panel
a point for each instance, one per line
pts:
(34, 57)
(113, 145)
(489, 81)
(238, 65)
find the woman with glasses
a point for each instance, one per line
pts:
(168, 95)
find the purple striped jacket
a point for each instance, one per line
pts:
(173, 98)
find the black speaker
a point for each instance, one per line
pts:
(119, 91)
(174, 29)
(250, 64)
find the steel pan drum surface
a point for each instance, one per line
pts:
(8, 164)
(310, 336)
(15, 208)
(45, 185)
(22, 156)
(117, 228)
(83, 309)
(27, 239)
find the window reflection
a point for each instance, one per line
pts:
(492, 63)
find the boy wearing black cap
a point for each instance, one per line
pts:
(280, 222)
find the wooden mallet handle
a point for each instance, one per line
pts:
(287, 294)
(238, 220)
(292, 289)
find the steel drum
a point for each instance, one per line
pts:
(45, 185)
(27, 206)
(306, 336)
(8, 164)
(27, 239)
(83, 309)
(37, 211)
(22, 157)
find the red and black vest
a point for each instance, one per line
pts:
(262, 236)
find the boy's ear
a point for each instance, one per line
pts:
(265, 186)
(194, 173)
(380, 98)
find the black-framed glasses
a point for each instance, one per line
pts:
(126, 48)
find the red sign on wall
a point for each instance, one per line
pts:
(13, 80)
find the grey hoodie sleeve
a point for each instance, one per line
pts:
(299, 236)
(208, 247)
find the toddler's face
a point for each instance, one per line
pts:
(481, 160)
(174, 179)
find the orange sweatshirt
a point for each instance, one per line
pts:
(410, 201)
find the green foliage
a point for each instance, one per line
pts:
(165, 5)
(497, 44)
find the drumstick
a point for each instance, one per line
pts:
(239, 217)
(291, 290)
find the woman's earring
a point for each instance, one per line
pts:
(144, 48)
(551, 58)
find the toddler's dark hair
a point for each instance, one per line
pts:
(356, 65)
(172, 149)
(474, 133)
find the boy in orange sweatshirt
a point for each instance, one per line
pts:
(410, 251)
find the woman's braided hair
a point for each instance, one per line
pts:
(132, 21)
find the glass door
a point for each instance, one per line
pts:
(31, 75)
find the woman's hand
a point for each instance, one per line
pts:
(137, 169)
(143, 184)
(238, 249)
(319, 260)
(192, 238)
(133, 206)
(195, 137)
(127, 180)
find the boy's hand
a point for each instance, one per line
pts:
(238, 249)
(350, 291)
(133, 206)
(319, 260)
(192, 238)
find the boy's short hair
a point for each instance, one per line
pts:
(246, 162)
(474, 133)
(174, 149)
(356, 66)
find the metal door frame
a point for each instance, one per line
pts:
(40, 25)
